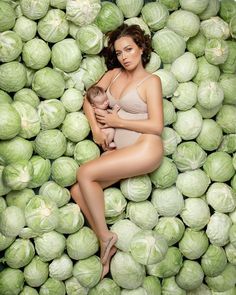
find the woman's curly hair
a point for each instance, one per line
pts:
(139, 37)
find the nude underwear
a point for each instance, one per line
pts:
(132, 107)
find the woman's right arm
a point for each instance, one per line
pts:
(98, 136)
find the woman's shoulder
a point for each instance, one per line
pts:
(106, 79)
(153, 79)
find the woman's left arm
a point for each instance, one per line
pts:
(154, 124)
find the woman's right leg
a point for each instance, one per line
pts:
(78, 198)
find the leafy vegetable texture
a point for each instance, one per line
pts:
(176, 226)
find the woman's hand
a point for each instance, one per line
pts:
(100, 138)
(110, 119)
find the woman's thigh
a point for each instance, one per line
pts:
(137, 159)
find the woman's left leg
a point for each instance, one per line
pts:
(127, 162)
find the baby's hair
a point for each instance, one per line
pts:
(93, 91)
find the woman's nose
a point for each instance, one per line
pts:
(124, 55)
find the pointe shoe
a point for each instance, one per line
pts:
(108, 245)
(106, 267)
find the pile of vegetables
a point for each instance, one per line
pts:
(176, 226)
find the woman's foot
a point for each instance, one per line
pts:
(106, 247)
(106, 266)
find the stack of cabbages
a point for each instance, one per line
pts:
(176, 226)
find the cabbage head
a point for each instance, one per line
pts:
(172, 228)
(193, 183)
(210, 136)
(50, 245)
(185, 96)
(48, 83)
(125, 230)
(41, 214)
(34, 9)
(130, 8)
(152, 285)
(12, 221)
(12, 76)
(41, 171)
(30, 121)
(193, 244)
(194, 5)
(184, 23)
(213, 261)
(196, 213)
(52, 286)
(115, 202)
(188, 123)
(143, 214)
(71, 219)
(88, 271)
(10, 46)
(106, 285)
(75, 127)
(25, 28)
(155, 15)
(163, 42)
(36, 54)
(224, 281)
(10, 124)
(90, 39)
(82, 244)
(109, 17)
(86, 150)
(66, 55)
(50, 144)
(55, 192)
(190, 275)
(165, 175)
(82, 12)
(218, 229)
(36, 272)
(73, 287)
(219, 167)
(189, 156)
(63, 171)
(7, 16)
(221, 197)
(148, 247)
(137, 188)
(126, 272)
(15, 284)
(20, 253)
(18, 175)
(168, 202)
(169, 266)
(61, 268)
(52, 113)
(53, 27)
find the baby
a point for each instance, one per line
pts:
(97, 97)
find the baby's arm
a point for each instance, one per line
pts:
(100, 111)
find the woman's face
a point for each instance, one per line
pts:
(128, 53)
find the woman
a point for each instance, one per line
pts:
(138, 122)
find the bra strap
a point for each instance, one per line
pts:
(147, 77)
(116, 76)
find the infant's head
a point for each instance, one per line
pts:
(96, 95)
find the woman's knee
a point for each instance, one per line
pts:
(74, 189)
(83, 173)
